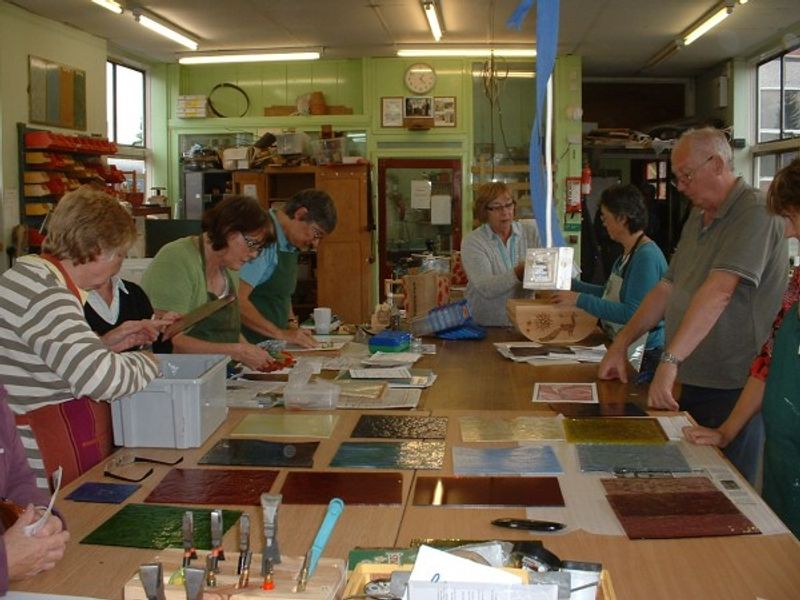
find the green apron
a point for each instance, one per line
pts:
(273, 298)
(781, 411)
(224, 325)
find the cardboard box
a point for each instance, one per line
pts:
(179, 409)
(234, 159)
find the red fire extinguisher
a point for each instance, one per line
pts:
(586, 180)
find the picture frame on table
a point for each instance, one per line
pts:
(392, 111)
(444, 111)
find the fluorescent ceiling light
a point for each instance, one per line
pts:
(662, 54)
(167, 32)
(429, 6)
(511, 74)
(468, 52)
(109, 5)
(253, 57)
(706, 25)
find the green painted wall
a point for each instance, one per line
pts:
(22, 34)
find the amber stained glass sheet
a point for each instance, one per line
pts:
(285, 425)
(605, 430)
(315, 487)
(602, 409)
(488, 491)
(219, 487)
(154, 526)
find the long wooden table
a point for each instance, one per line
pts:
(472, 377)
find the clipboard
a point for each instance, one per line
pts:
(198, 314)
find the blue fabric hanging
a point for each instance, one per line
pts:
(547, 15)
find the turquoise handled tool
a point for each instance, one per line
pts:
(335, 508)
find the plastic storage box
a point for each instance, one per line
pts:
(390, 341)
(179, 409)
(442, 318)
(329, 151)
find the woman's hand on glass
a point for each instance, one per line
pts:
(252, 356)
(133, 334)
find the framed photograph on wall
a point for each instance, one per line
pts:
(444, 111)
(418, 106)
(392, 111)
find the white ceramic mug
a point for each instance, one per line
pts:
(322, 320)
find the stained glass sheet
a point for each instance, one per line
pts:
(521, 460)
(488, 491)
(259, 453)
(400, 427)
(107, 493)
(519, 429)
(154, 526)
(314, 487)
(604, 430)
(632, 458)
(285, 425)
(390, 455)
(218, 487)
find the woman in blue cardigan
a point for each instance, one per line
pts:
(633, 275)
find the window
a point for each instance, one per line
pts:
(778, 81)
(125, 105)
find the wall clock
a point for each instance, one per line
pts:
(420, 78)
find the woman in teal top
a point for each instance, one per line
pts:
(187, 273)
(633, 275)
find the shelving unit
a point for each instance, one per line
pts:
(51, 164)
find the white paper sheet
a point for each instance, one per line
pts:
(420, 193)
(391, 373)
(441, 210)
(393, 398)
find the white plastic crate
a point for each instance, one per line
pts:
(179, 409)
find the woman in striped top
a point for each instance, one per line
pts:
(50, 354)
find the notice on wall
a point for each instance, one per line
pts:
(250, 189)
(441, 213)
(420, 193)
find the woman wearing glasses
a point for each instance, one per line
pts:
(633, 275)
(191, 271)
(494, 254)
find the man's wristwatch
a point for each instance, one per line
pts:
(670, 358)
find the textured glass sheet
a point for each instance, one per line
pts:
(285, 425)
(258, 453)
(400, 427)
(390, 455)
(153, 526)
(632, 458)
(488, 491)
(675, 508)
(522, 460)
(314, 487)
(108, 493)
(218, 487)
(519, 429)
(602, 409)
(602, 430)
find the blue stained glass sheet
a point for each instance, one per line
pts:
(520, 460)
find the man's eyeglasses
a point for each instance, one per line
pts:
(688, 177)
(252, 243)
(128, 459)
(317, 231)
(500, 207)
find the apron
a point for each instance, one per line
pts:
(273, 297)
(781, 411)
(223, 326)
(612, 293)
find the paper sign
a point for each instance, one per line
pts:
(440, 210)
(420, 193)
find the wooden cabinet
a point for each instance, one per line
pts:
(344, 258)
(339, 274)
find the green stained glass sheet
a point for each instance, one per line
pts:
(152, 526)
(608, 430)
(519, 429)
